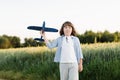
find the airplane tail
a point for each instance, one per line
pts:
(39, 39)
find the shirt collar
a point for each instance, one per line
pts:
(70, 36)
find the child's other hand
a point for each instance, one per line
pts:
(80, 67)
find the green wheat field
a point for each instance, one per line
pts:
(101, 62)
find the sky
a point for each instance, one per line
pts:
(95, 15)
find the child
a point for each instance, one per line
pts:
(68, 53)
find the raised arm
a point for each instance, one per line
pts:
(44, 36)
(52, 44)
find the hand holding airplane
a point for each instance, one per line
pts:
(43, 29)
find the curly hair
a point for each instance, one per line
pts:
(67, 23)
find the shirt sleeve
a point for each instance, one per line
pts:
(79, 49)
(52, 44)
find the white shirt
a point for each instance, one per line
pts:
(67, 52)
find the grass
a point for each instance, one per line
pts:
(101, 62)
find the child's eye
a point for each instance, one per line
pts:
(68, 27)
(65, 27)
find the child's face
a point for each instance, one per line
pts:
(67, 30)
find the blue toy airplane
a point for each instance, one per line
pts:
(43, 28)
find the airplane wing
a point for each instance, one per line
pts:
(38, 28)
(50, 30)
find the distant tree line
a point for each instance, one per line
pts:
(14, 42)
(92, 37)
(87, 37)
